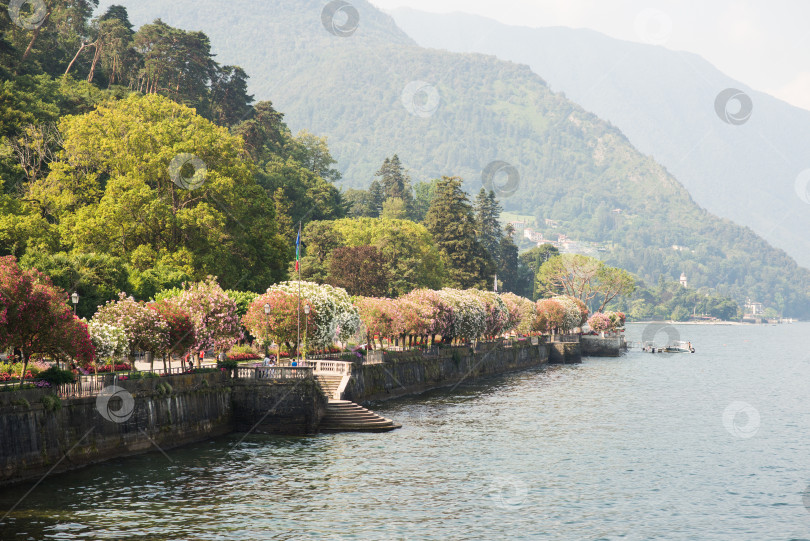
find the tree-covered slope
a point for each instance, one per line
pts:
(573, 167)
(663, 100)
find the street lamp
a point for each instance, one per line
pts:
(74, 298)
(266, 347)
(306, 329)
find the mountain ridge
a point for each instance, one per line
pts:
(746, 173)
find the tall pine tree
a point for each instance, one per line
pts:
(508, 263)
(451, 222)
(395, 182)
(487, 224)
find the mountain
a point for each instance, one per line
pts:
(663, 100)
(375, 93)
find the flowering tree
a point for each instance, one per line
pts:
(572, 315)
(281, 324)
(437, 312)
(521, 313)
(599, 322)
(497, 313)
(214, 314)
(583, 311)
(617, 320)
(380, 317)
(35, 316)
(337, 318)
(550, 316)
(415, 318)
(145, 329)
(181, 335)
(469, 313)
(110, 341)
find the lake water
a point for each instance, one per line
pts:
(711, 445)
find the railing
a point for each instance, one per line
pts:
(84, 386)
(331, 368)
(570, 338)
(273, 372)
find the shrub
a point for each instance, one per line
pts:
(230, 364)
(57, 376)
(51, 402)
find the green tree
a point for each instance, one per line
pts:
(395, 182)
(451, 223)
(487, 224)
(176, 63)
(423, 195)
(412, 258)
(313, 153)
(509, 263)
(584, 278)
(112, 192)
(230, 102)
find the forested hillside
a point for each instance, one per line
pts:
(663, 100)
(473, 110)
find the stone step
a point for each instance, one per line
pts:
(357, 424)
(343, 415)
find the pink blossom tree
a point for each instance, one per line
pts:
(214, 314)
(146, 330)
(381, 317)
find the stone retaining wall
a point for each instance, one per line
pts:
(564, 353)
(40, 433)
(410, 374)
(596, 346)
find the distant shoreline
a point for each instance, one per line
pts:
(693, 322)
(702, 323)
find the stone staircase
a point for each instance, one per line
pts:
(345, 416)
(329, 384)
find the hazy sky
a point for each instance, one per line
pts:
(762, 43)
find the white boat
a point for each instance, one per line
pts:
(678, 346)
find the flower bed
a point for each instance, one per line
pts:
(243, 356)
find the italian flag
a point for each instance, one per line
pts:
(297, 248)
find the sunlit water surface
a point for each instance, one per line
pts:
(712, 445)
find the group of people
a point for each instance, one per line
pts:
(189, 358)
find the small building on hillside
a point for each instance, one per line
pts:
(532, 235)
(518, 226)
(683, 281)
(753, 308)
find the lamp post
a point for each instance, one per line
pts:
(267, 313)
(74, 298)
(306, 329)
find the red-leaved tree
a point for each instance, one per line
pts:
(35, 316)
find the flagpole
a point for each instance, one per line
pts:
(298, 268)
